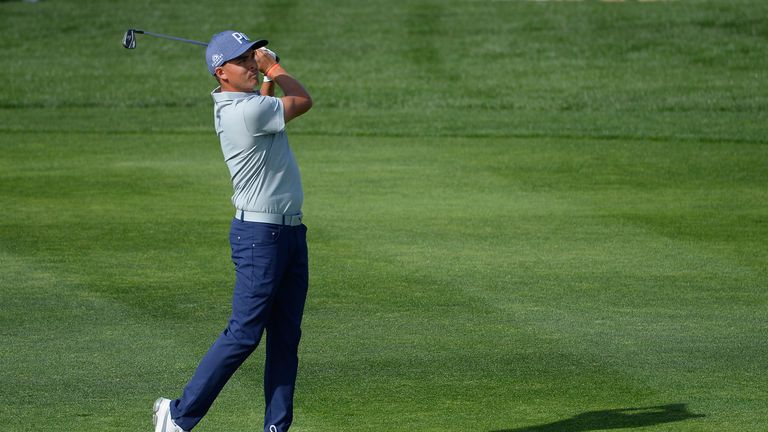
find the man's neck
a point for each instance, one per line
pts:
(226, 88)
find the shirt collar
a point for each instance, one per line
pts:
(223, 96)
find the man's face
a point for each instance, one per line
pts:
(240, 74)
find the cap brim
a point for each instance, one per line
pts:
(254, 45)
(260, 43)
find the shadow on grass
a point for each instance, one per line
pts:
(615, 419)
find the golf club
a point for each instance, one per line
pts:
(129, 40)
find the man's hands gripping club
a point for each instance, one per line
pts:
(296, 99)
(274, 55)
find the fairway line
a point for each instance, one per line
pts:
(532, 135)
(601, 1)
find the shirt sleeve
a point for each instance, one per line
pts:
(263, 115)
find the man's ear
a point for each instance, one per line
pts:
(220, 73)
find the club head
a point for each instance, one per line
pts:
(129, 40)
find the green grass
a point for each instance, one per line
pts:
(523, 216)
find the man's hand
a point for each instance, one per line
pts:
(272, 53)
(266, 79)
(264, 59)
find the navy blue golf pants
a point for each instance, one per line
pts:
(270, 291)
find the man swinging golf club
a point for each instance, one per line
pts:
(267, 236)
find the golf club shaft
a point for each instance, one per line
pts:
(172, 38)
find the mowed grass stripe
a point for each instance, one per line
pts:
(386, 179)
(701, 126)
(73, 357)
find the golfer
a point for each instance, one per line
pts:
(268, 239)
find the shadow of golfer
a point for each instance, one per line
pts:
(615, 419)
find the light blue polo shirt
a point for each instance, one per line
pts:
(263, 169)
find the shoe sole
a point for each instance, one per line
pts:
(155, 409)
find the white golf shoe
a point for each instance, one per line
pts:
(162, 417)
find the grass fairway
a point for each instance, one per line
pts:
(523, 216)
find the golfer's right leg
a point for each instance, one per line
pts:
(254, 252)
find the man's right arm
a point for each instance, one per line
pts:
(296, 99)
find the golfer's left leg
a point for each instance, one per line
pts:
(283, 334)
